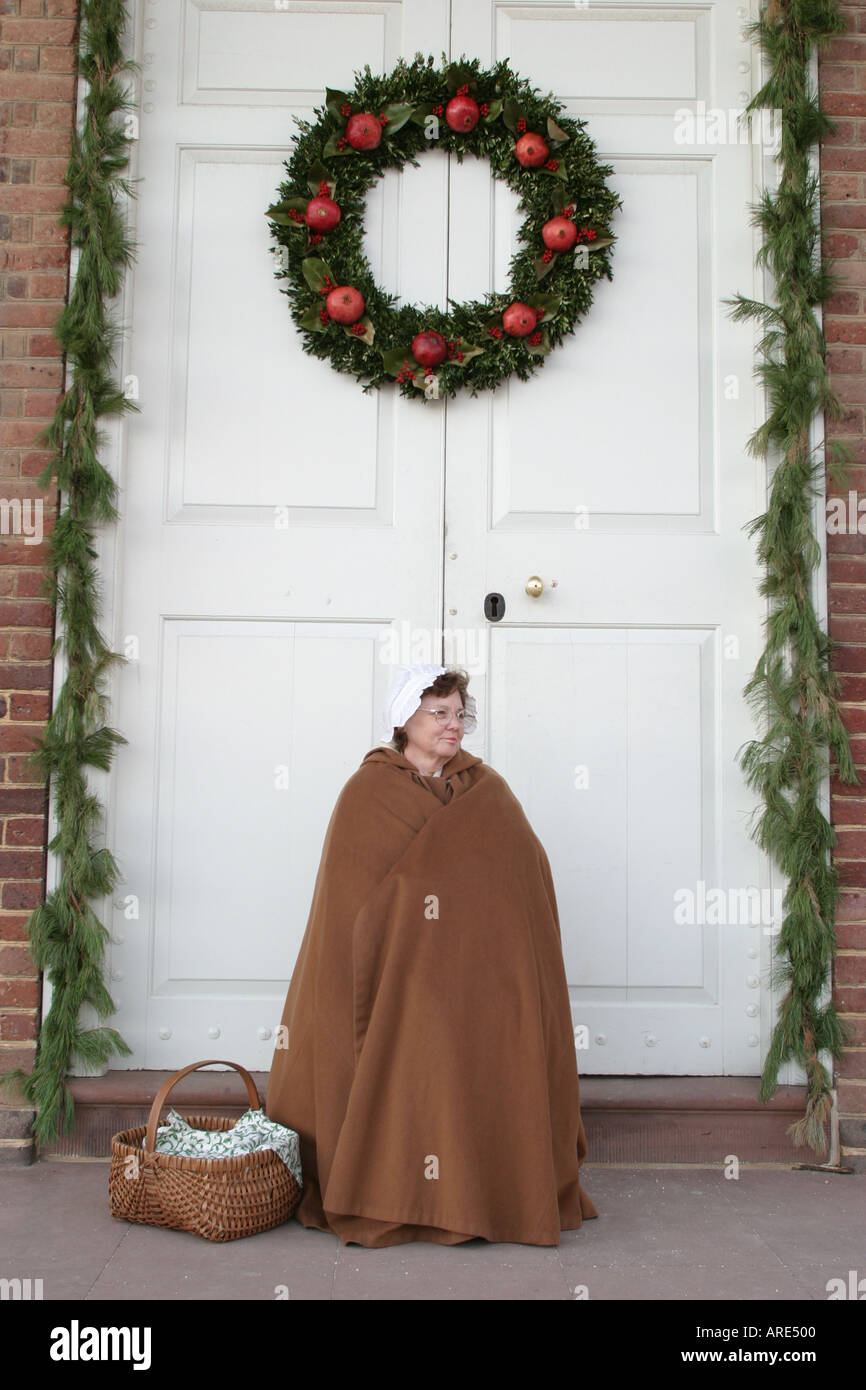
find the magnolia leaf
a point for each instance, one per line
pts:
(511, 113)
(317, 174)
(398, 113)
(331, 149)
(469, 351)
(599, 243)
(316, 271)
(559, 198)
(334, 99)
(540, 349)
(420, 113)
(543, 267)
(555, 132)
(546, 304)
(311, 321)
(369, 331)
(455, 76)
(495, 111)
(393, 359)
(558, 173)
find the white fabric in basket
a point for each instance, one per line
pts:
(252, 1132)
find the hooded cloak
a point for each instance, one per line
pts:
(430, 1070)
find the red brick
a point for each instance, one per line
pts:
(837, 331)
(16, 960)
(20, 994)
(31, 704)
(26, 894)
(38, 31)
(13, 926)
(56, 87)
(14, 1027)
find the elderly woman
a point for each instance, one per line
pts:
(430, 1068)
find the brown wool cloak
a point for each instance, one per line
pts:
(431, 1071)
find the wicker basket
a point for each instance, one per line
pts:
(218, 1198)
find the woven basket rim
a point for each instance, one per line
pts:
(127, 1142)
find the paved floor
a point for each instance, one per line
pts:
(661, 1234)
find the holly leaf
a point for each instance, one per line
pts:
(369, 331)
(457, 76)
(310, 320)
(316, 271)
(398, 113)
(317, 174)
(546, 304)
(555, 132)
(495, 111)
(334, 99)
(543, 267)
(511, 113)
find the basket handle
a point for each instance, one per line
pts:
(159, 1099)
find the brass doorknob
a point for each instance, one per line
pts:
(534, 586)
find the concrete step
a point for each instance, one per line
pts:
(628, 1119)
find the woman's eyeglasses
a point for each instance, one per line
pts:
(466, 721)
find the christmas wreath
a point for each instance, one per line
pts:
(384, 122)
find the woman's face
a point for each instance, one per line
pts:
(426, 735)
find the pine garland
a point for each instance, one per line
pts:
(792, 684)
(411, 103)
(67, 940)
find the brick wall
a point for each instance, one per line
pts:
(36, 116)
(37, 93)
(842, 75)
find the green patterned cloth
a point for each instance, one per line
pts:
(252, 1132)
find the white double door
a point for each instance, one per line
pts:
(285, 538)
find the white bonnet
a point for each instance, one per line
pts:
(404, 696)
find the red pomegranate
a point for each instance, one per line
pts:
(345, 304)
(531, 150)
(429, 348)
(559, 234)
(322, 214)
(363, 131)
(462, 113)
(519, 319)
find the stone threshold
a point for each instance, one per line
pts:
(628, 1119)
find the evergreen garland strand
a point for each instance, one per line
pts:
(67, 941)
(792, 683)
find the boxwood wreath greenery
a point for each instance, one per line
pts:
(792, 684)
(384, 123)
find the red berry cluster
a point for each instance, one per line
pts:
(567, 212)
(548, 255)
(358, 329)
(315, 238)
(327, 286)
(586, 234)
(495, 332)
(383, 119)
(454, 351)
(342, 142)
(324, 315)
(463, 91)
(324, 189)
(439, 110)
(345, 109)
(535, 338)
(520, 124)
(552, 164)
(406, 373)
(295, 215)
(484, 109)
